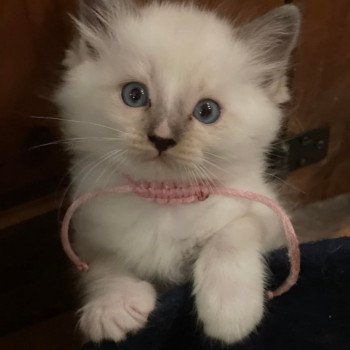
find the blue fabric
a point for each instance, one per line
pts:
(315, 314)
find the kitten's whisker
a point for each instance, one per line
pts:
(209, 177)
(111, 156)
(216, 156)
(71, 182)
(77, 139)
(98, 178)
(80, 122)
(188, 160)
(120, 160)
(209, 172)
(286, 183)
(193, 176)
(215, 165)
(80, 172)
(73, 167)
(188, 175)
(182, 167)
(274, 155)
(115, 159)
(99, 162)
(212, 176)
(202, 175)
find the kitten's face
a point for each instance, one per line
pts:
(177, 95)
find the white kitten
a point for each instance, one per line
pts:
(202, 106)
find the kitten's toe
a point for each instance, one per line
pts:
(231, 320)
(115, 315)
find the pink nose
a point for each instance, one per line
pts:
(160, 143)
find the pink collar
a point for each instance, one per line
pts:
(171, 193)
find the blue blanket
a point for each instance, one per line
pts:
(314, 315)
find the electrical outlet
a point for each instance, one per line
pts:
(308, 148)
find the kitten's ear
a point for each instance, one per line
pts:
(272, 38)
(91, 11)
(96, 12)
(95, 23)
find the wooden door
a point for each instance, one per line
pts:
(33, 35)
(322, 95)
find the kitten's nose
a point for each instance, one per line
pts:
(162, 144)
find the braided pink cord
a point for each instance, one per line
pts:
(292, 239)
(184, 194)
(75, 259)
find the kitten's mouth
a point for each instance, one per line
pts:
(158, 157)
(161, 158)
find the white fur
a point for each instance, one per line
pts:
(116, 304)
(182, 55)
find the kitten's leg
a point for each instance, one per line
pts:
(229, 282)
(116, 303)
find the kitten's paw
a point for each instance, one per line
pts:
(229, 319)
(112, 316)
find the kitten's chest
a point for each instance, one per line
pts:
(131, 216)
(161, 240)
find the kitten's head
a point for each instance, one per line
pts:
(169, 91)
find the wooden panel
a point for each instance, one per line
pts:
(322, 94)
(28, 210)
(241, 9)
(36, 280)
(235, 9)
(33, 35)
(58, 333)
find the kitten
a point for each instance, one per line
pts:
(170, 92)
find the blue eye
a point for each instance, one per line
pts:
(135, 95)
(207, 111)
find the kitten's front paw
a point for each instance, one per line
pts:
(229, 318)
(112, 316)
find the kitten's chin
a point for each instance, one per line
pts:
(162, 160)
(154, 159)
(156, 167)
